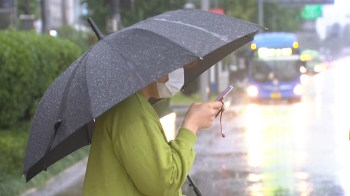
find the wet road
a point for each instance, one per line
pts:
(296, 149)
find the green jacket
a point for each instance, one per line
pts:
(130, 155)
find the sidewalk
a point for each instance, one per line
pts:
(62, 182)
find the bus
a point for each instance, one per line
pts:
(274, 64)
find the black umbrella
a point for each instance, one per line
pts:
(119, 65)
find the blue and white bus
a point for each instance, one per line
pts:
(274, 68)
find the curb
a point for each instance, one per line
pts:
(60, 182)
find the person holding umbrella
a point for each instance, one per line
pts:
(104, 98)
(130, 154)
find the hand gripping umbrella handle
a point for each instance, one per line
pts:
(195, 188)
(95, 28)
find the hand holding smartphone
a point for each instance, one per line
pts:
(224, 93)
(220, 98)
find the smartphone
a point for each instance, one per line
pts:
(224, 93)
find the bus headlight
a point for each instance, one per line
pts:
(302, 69)
(317, 68)
(298, 89)
(252, 91)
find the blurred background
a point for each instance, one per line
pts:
(286, 119)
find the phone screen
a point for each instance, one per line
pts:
(224, 93)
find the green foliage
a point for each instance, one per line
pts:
(84, 40)
(28, 65)
(28, 7)
(244, 10)
(99, 11)
(146, 9)
(276, 17)
(13, 144)
(279, 18)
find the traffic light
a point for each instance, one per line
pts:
(7, 3)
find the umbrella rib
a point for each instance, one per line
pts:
(87, 86)
(130, 65)
(166, 38)
(222, 38)
(63, 102)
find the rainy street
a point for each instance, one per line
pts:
(295, 149)
(110, 83)
(278, 149)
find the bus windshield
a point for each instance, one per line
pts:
(268, 69)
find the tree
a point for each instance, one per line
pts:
(28, 7)
(45, 16)
(99, 10)
(276, 17)
(64, 12)
(146, 9)
(279, 18)
(244, 10)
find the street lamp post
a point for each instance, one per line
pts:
(204, 78)
(261, 12)
(114, 21)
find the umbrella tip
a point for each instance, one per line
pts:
(95, 28)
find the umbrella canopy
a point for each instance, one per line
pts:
(121, 64)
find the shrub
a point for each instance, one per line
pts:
(29, 63)
(83, 39)
(13, 144)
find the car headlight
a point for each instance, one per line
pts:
(252, 91)
(317, 68)
(298, 89)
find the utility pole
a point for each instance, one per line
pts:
(64, 12)
(204, 78)
(115, 19)
(15, 18)
(45, 16)
(261, 12)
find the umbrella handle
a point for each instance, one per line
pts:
(195, 187)
(95, 28)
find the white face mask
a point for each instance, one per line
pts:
(173, 85)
